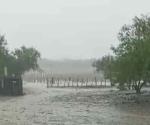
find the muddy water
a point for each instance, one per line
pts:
(41, 106)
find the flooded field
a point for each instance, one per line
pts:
(74, 106)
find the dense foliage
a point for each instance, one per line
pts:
(131, 65)
(19, 61)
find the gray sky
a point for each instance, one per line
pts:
(61, 29)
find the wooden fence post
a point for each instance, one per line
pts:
(47, 81)
(95, 81)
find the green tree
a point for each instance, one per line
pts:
(19, 61)
(132, 54)
(3, 53)
(26, 59)
(105, 65)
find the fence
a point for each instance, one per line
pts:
(11, 86)
(73, 82)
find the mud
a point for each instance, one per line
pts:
(72, 106)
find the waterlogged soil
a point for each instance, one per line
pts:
(72, 106)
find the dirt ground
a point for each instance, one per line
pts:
(72, 106)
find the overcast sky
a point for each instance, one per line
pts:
(75, 29)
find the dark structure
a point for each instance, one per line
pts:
(11, 86)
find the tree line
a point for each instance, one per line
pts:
(129, 65)
(19, 61)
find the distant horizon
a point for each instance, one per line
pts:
(65, 59)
